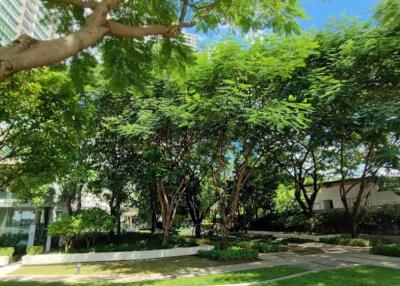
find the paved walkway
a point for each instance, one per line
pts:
(313, 257)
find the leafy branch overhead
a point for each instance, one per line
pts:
(84, 23)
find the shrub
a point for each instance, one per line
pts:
(383, 219)
(7, 251)
(230, 254)
(87, 223)
(346, 241)
(34, 250)
(67, 226)
(386, 249)
(295, 240)
(92, 222)
(261, 246)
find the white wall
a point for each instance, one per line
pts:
(61, 258)
(375, 198)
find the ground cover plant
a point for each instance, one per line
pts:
(386, 249)
(230, 254)
(131, 242)
(261, 247)
(346, 241)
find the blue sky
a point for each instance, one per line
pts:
(319, 13)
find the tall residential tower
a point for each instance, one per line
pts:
(19, 17)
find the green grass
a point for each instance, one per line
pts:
(358, 276)
(355, 276)
(254, 275)
(163, 266)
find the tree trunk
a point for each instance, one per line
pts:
(198, 230)
(224, 242)
(354, 230)
(165, 212)
(165, 239)
(68, 203)
(79, 199)
(153, 207)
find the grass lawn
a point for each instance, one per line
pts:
(164, 266)
(358, 276)
(216, 279)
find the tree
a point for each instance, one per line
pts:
(239, 113)
(359, 81)
(93, 222)
(154, 122)
(117, 167)
(200, 197)
(42, 120)
(85, 23)
(258, 193)
(68, 227)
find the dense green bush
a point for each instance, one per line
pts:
(346, 241)
(92, 222)
(386, 249)
(230, 254)
(68, 227)
(15, 240)
(130, 242)
(34, 250)
(261, 246)
(87, 224)
(7, 251)
(374, 220)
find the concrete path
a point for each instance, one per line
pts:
(327, 257)
(4, 270)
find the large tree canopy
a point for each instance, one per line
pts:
(84, 23)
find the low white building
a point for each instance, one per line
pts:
(329, 195)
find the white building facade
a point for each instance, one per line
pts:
(19, 17)
(329, 195)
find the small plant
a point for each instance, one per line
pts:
(34, 250)
(261, 247)
(7, 251)
(386, 249)
(230, 254)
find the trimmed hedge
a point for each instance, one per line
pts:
(383, 219)
(261, 247)
(7, 251)
(34, 250)
(230, 254)
(386, 249)
(346, 241)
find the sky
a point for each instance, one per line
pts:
(319, 13)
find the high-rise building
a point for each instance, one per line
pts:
(19, 17)
(191, 40)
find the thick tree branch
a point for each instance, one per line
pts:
(127, 31)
